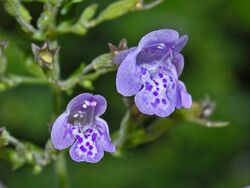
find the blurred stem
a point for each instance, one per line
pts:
(60, 163)
(57, 101)
(61, 171)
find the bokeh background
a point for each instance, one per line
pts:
(217, 64)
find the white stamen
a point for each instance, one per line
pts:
(75, 115)
(87, 102)
(84, 106)
(93, 103)
(161, 46)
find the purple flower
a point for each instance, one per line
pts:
(81, 128)
(150, 71)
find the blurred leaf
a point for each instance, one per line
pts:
(22, 15)
(42, 1)
(209, 123)
(102, 62)
(81, 25)
(87, 14)
(116, 9)
(15, 159)
(86, 84)
(152, 132)
(3, 60)
(33, 68)
(4, 137)
(68, 5)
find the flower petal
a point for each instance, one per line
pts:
(78, 101)
(152, 53)
(180, 43)
(101, 105)
(80, 153)
(128, 81)
(166, 36)
(105, 141)
(118, 59)
(61, 134)
(184, 99)
(158, 96)
(178, 61)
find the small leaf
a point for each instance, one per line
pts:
(68, 5)
(102, 62)
(86, 84)
(24, 13)
(209, 123)
(117, 9)
(16, 9)
(87, 14)
(4, 137)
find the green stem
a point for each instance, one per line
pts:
(60, 163)
(61, 171)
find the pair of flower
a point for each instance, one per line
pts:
(149, 71)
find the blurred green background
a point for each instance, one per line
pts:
(217, 63)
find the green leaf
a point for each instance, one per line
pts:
(152, 132)
(117, 9)
(15, 8)
(4, 137)
(68, 6)
(87, 14)
(22, 15)
(102, 62)
(81, 25)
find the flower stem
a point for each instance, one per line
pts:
(61, 171)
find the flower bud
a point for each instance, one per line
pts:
(44, 55)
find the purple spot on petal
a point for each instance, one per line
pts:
(156, 83)
(148, 86)
(100, 132)
(165, 85)
(94, 137)
(143, 71)
(160, 75)
(87, 143)
(89, 153)
(163, 101)
(155, 93)
(157, 89)
(91, 147)
(164, 80)
(173, 86)
(83, 149)
(157, 101)
(79, 139)
(86, 136)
